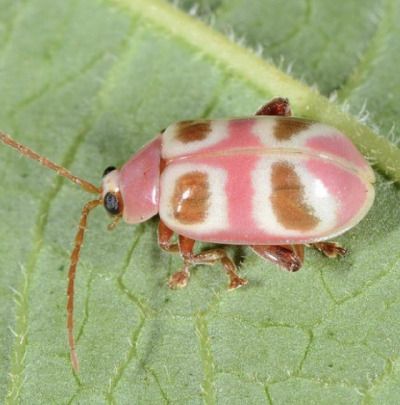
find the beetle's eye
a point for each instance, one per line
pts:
(111, 204)
(108, 170)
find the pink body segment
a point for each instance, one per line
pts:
(341, 147)
(262, 180)
(140, 177)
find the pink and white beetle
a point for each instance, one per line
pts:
(273, 182)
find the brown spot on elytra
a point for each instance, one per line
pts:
(190, 199)
(191, 131)
(287, 199)
(284, 129)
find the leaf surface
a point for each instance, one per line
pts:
(88, 83)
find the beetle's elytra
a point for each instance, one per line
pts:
(272, 182)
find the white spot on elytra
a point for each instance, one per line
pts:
(173, 147)
(217, 212)
(316, 195)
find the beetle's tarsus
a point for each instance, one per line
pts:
(234, 280)
(330, 249)
(293, 265)
(179, 279)
(237, 282)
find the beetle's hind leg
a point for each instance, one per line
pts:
(180, 278)
(290, 257)
(330, 249)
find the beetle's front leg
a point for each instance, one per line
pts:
(208, 257)
(180, 278)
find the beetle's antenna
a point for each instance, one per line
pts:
(71, 278)
(87, 186)
(62, 171)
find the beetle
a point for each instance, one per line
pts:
(273, 182)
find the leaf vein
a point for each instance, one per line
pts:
(120, 369)
(11, 27)
(370, 283)
(52, 87)
(207, 360)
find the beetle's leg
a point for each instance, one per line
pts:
(164, 238)
(277, 106)
(330, 249)
(181, 278)
(212, 256)
(290, 257)
(209, 257)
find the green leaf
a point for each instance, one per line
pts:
(86, 84)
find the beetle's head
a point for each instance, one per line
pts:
(132, 192)
(111, 194)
